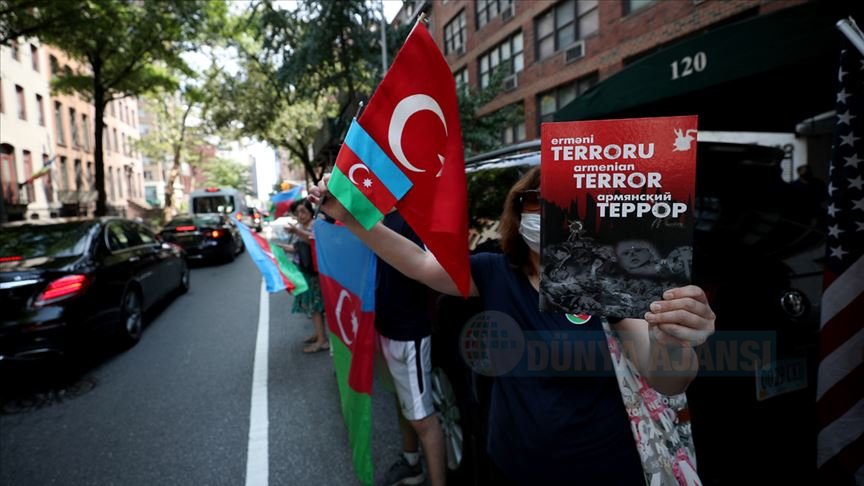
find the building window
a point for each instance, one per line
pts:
(552, 101)
(514, 128)
(461, 78)
(112, 108)
(111, 181)
(116, 145)
(34, 57)
(55, 66)
(64, 175)
(489, 9)
(565, 24)
(73, 128)
(148, 175)
(8, 174)
(631, 6)
(47, 183)
(91, 176)
(58, 122)
(120, 192)
(28, 173)
(16, 53)
(85, 132)
(454, 34)
(22, 106)
(507, 55)
(40, 110)
(79, 176)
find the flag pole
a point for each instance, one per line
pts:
(850, 29)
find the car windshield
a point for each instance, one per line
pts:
(213, 204)
(56, 240)
(203, 220)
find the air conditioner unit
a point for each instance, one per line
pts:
(574, 52)
(510, 83)
(508, 13)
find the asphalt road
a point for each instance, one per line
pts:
(175, 409)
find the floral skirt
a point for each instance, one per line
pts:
(310, 301)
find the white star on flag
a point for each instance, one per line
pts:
(841, 74)
(367, 183)
(831, 188)
(859, 204)
(832, 210)
(853, 160)
(838, 252)
(842, 95)
(856, 183)
(845, 118)
(860, 226)
(834, 231)
(848, 139)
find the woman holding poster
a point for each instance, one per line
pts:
(548, 426)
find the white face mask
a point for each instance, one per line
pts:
(529, 228)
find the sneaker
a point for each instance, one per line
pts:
(403, 473)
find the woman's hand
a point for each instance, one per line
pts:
(682, 318)
(330, 205)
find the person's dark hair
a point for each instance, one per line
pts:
(302, 202)
(512, 243)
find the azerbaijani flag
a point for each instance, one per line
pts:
(346, 269)
(365, 180)
(279, 272)
(281, 203)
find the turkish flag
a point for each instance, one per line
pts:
(414, 117)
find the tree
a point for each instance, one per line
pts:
(228, 173)
(299, 70)
(129, 48)
(483, 133)
(172, 138)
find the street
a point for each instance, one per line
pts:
(175, 409)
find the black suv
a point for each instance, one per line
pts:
(757, 253)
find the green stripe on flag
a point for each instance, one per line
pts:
(354, 201)
(356, 410)
(289, 269)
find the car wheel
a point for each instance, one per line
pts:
(132, 318)
(185, 277)
(444, 399)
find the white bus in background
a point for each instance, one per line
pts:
(215, 200)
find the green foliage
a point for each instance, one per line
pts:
(227, 173)
(483, 133)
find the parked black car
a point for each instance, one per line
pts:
(205, 236)
(61, 280)
(758, 245)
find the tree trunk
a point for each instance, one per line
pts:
(98, 155)
(169, 184)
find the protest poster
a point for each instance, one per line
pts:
(617, 213)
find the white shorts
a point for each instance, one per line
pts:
(410, 366)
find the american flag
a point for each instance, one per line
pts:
(840, 387)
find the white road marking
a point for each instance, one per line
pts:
(257, 456)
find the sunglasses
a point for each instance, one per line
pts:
(530, 200)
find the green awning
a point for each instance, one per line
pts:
(797, 36)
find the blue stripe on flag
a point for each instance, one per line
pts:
(345, 259)
(378, 162)
(268, 269)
